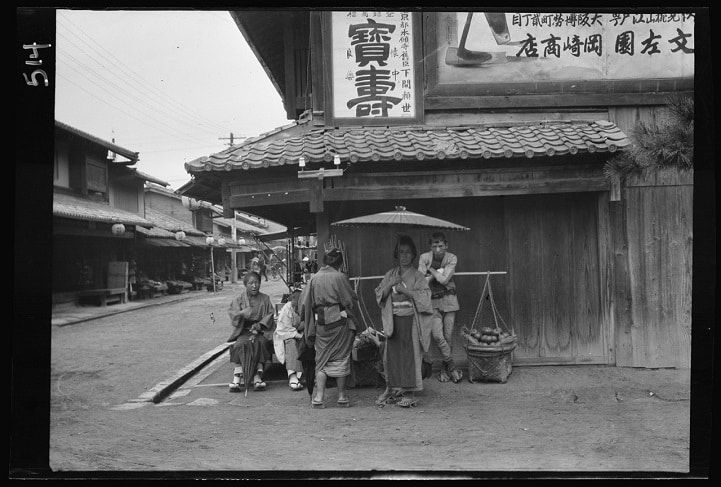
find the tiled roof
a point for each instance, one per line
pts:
(127, 153)
(167, 222)
(78, 208)
(358, 144)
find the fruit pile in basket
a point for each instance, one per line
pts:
(488, 336)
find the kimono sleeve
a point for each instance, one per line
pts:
(422, 294)
(267, 312)
(380, 299)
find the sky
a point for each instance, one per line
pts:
(166, 84)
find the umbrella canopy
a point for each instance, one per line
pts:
(400, 216)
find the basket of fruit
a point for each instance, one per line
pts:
(489, 354)
(489, 348)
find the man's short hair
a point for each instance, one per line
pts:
(438, 237)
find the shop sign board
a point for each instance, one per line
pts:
(548, 52)
(374, 67)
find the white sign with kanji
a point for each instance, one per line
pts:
(373, 65)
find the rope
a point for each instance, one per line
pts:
(363, 307)
(494, 309)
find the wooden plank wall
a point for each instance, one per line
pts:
(555, 279)
(370, 251)
(658, 228)
(547, 243)
(652, 239)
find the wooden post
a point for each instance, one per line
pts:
(233, 266)
(212, 268)
(322, 226)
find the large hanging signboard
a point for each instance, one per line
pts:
(531, 50)
(374, 68)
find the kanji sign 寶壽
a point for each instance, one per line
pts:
(373, 74)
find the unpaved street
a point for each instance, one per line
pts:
(580, 418)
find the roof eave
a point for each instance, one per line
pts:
(248, 38)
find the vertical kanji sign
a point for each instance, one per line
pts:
(375, 69)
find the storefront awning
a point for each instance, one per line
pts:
(165, 242)
(77, 208)
(373, 144)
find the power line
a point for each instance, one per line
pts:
(144, 122)
(134, 76)
(120, 88)
(151, 117)
(143, 83)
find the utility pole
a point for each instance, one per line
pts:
(231, 139)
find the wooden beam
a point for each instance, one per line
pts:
(489, 102)
(269, 199)
(471, 189)
(317, 195)
(289, 65)
(605, 276)
(316, 58)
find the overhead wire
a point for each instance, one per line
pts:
(131, 75)
(144, 103)
(141, 106)
(173, 131)
(94, 95)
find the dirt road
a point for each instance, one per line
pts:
(579, 418)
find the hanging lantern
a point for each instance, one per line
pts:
(221, 241)
(118, 229)
(209, 240)
(179, 235)
(241, 241)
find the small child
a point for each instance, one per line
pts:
(285, 340)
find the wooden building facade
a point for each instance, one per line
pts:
(597, 272)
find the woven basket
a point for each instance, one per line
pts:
(489, 363)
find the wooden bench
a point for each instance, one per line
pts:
(103, 296)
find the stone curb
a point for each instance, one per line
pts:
(116, 312)
(164, 388)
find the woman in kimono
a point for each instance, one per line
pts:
(285, 340)
(329, 326)
(251, 315)
(405, 301)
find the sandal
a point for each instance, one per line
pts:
(258, 384)
(456, 376)
(295, 384)
(407, 402)
(317, 405)
(384, 398)
(344, 403)
(233, 387)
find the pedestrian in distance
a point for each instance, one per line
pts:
(439, 266)
(328, 301)
(251, 314)
(306, 269)
(286, 338)
(262, 265)
(405, 301)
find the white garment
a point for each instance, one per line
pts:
(285, 328)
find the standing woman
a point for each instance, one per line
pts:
(406, 311)
(329, 326)
(251, 314)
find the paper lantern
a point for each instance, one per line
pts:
(221, 241)
(209, 240)
(118, 229)
(180, 235)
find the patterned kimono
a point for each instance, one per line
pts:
(407, 324)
